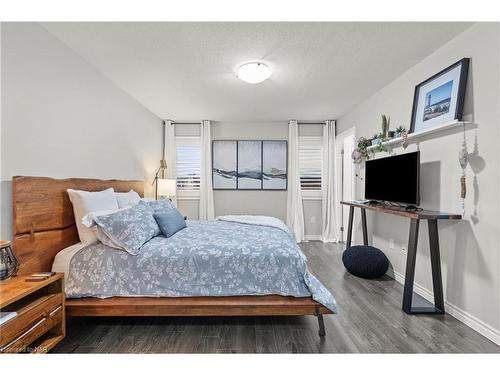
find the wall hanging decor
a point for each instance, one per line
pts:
(464, 161)
(274, 161)
(249, 165)
(224, 164)
(440, 99)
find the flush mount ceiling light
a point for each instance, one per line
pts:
(254, 72)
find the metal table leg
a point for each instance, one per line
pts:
(438, 307)
(349, 228)
(410, 265)
(437, 281)
(363, 224)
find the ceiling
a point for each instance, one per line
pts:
(185, 71)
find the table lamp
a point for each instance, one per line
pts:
(166, 188)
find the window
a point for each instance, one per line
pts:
(188, 165)
(311, 165)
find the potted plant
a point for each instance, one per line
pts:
(380, 144)
(375, 140)
(361, 151)
(399, 131)
(386, 121)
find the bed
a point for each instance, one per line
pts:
(43, 225)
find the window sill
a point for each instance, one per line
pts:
(308, 195)
(188, 195)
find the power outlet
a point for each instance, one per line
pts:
(313, 219)
(391, 243)
(404, 250)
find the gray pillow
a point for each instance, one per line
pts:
(162, 206)
(130, 228)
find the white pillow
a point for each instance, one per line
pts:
(127, 199)
(85, 202)
(88, 220)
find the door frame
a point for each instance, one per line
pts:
(339, 139)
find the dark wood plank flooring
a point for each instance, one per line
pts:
(370, 320)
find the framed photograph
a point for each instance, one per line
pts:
(249, 165)
(274, 165)
(440, 99)
(224, 165)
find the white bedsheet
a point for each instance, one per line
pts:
(63, 257)
(267, 221)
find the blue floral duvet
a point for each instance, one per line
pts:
(208, 258)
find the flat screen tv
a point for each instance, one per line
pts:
(394, 179)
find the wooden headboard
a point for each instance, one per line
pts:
(43, 221)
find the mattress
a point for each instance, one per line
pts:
(63, 259)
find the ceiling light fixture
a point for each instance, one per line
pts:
(254, 72)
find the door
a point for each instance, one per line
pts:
(346, 142)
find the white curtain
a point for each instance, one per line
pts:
(169, 153)
(206, 192)
(330, 203)
(295, 211)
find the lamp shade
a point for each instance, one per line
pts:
(166, 187)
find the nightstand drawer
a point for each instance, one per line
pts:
(33, 319)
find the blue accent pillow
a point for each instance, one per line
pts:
(130, 228)
(170, 222)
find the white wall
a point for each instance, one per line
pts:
(1, 122)
(62, 118)
(272, 203)
(469, 248)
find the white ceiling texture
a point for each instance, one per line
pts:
(185, 71)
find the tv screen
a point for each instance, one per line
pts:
(394, 179)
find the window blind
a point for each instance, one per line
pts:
(311, 163)
(188, 163)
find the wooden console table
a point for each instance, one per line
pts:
(432, 218)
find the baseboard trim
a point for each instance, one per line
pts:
(468, 319)
(314, 237)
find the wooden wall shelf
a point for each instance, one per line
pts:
(414, 137)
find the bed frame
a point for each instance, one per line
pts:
(43, 224)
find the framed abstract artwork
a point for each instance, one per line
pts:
(274, 163)
(440, 99)
(224, 167)
(249, 165)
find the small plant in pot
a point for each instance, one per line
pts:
(386, 121)
(361, 151)
(380, 145)
(399, 131)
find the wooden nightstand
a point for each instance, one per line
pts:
(40, 321)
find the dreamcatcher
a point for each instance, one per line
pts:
(463, 160)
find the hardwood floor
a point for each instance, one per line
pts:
(370, 320)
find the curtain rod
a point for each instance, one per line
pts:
(310, 123)
(198, 123)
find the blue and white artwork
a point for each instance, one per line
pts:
(274, 162)
(249, 165)
(224, 168)
(437, 101)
